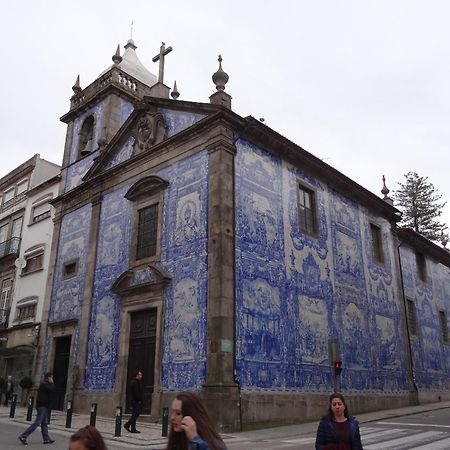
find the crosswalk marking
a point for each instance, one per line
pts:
(308, 440)
(416, 438)
(437, 445)
(375, 436)
(421, 425)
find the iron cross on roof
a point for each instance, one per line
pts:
(163, 51)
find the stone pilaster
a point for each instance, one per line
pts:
(220, 390)
(80, 363)
(44, 330)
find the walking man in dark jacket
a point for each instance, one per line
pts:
(43, 402)
(137, 394)
(8, 389)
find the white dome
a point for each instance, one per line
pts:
(132, 66)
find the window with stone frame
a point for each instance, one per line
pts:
(147, 196)
(35, 260)
(412, 317)
(70, 269)
(147, 234)
(40, 211)
(26, 309)
(22, 188)
(307, 212)
(377, 243)
(421, 266)
(5, 301)
(86, 137)
(8, 197)
(444, 326)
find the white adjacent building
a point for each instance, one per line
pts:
(26, 228)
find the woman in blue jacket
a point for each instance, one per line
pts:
(338, 430)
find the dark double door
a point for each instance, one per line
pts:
(60, 370)
(141, 354)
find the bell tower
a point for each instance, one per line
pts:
(98, 110)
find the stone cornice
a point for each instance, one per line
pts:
(261, 134)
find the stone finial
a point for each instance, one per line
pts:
(76, 87)
(444, 240)
(220, 78)
(116, 57)
(385, 191)
(175, 94)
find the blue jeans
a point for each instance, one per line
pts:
(42, 421)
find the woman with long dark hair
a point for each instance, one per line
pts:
(338, 430)
(191, 427)
(87, 438)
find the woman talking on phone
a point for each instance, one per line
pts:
(191, 427)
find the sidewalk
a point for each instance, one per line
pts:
(151, 438)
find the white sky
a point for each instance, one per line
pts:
(364, 85)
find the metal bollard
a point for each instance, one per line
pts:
(69, 414)
(165, 422)
(12, 410)
(118, 421)
(93, 414)
(30, 408)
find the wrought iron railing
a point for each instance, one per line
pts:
(10, 247)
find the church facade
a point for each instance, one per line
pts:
(215, 255)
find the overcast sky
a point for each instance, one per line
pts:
(364, 85)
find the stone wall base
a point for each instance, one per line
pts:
(233, 411)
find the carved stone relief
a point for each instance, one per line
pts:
(150, 131)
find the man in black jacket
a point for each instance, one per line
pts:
(136, 391)
(8, 389)
(43, 402)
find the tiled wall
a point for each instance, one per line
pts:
(430, 355)
(183, 256)
(294, 292)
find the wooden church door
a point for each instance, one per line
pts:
(141, 354)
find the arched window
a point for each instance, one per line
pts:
(86, 140)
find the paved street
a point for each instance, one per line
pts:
(423, 427)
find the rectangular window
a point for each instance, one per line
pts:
(22, 187)
(421, 266)
(26, 311)
(34, 262)
(5, 302)
(40, 212)
(412, 317)
(70, 269)
(147, 232)
(8, 196)
(377, 243)
(444, 327)
(307, 210)
(4, 233)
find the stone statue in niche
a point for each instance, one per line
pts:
(150, 131)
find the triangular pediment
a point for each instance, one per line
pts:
(145, 278)
(144, 129)
(147, 128)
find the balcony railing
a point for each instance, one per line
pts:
(4, 318)
(10, 247)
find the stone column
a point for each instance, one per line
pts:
(44, 330)
(220, 390)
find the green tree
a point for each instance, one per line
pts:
(420, 204)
